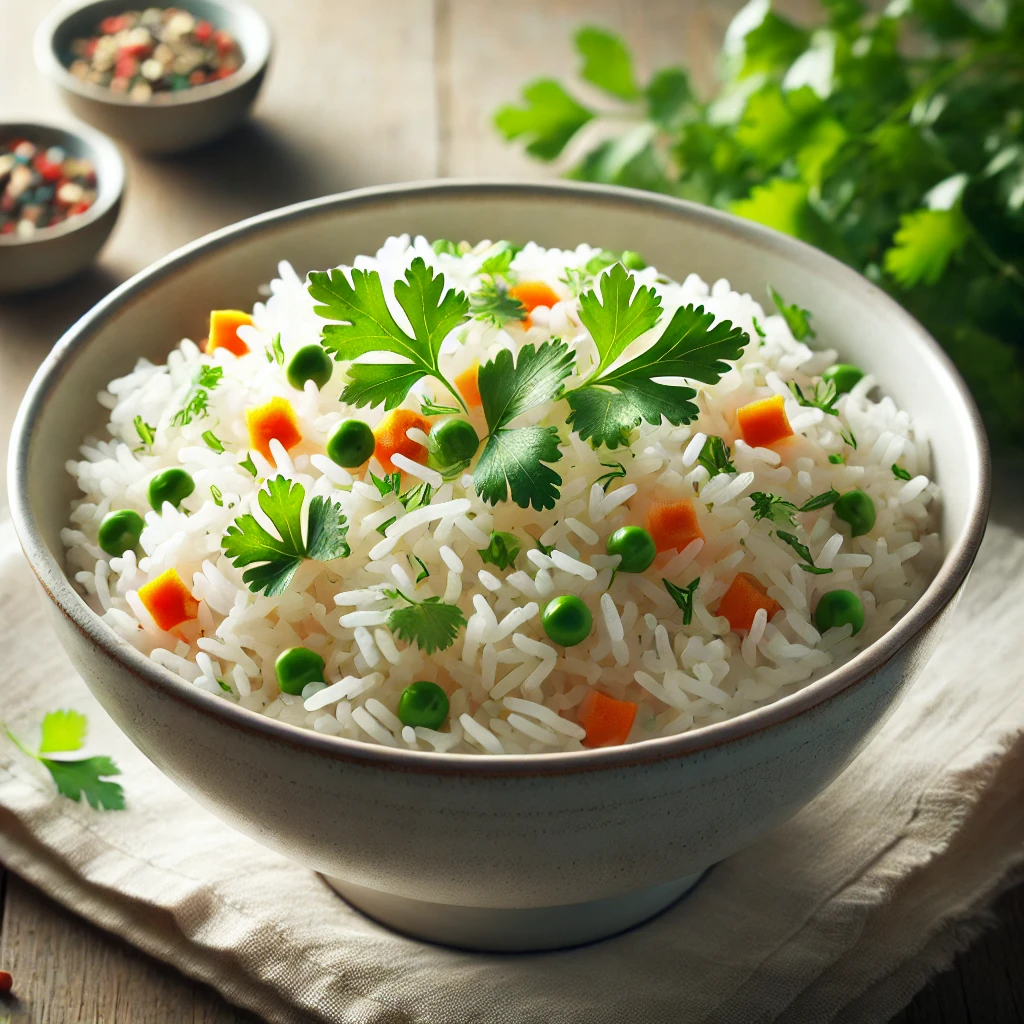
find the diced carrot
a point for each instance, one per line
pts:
(224, 324)
(392, 437)
(274, 419)
(606, 720)
(468, 385)
(673, 524)
(533, 294)
(742, 600)
(764, 422)
(168, 600)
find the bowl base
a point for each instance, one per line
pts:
(510, 930)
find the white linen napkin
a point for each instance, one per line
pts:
(840, 914)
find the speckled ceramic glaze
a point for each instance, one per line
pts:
(176, 122)
(496, 852)
(54, 254)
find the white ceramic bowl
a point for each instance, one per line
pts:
(173, 122)
(514, 852)
(54, 254)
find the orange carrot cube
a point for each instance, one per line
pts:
(533, 294)
(392, 438)
(606, 720)
(468, 385)
(168, 600)
(673, 524)
(274, 419)
(742, 600)
(764, 422)
(224, 324)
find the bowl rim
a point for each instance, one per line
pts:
(109, 186)
(49, 63)
(940, 592)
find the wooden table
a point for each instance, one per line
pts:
(357, 94)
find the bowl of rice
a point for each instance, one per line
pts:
(509, 554)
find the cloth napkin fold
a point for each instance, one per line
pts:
(840, 914)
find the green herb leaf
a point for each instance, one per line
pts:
(63, 732)
(247, 542)
(366, 325)
(388, 485)
(431, 624)
(803, 552)
(823, 500)
(899, 472)
(275, 353)
(500, 259)
(212, 441)
(824, 396)
(207, 378)
(606, 63)
(444, 245)
(502, 550)
(715, 456)
(424, 572)
(87, 778)
(248, 465)
(549, 118)
(924, 244)
(799, 320)
(683, 596)
(146, 432)
(430, 408)
(383, 528)
(217, 495)
(617, 470)
(772, 507)
(837, 459)
(492, 303)
(849, 438)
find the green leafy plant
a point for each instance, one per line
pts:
(64, 732)
(892, 138)
(247, 542)
(198, 397)
(432, 624)
(502, 550)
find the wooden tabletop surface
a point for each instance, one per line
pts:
(357, 94)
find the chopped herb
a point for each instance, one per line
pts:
(516, 459)
(500, 261)
(758, 329)
(281, 500)
(683, 596)
(849, 439)
(804, 552)
(431, 408)
(502, 550)
(837, 459)
(829, 497)
(365, 324)
(217, 495)
(492, 303)
(198, 397)
(224, 686)
(824, 396)
(612, 400)
(899, 472)
(576, 279)
(444, 245)
(275, 353)
(248, 465)
(146, 432)
(424, 571)
(212, 441)
(387, 522)
(617, 470)
(715, 456)
(772, 507)
(387, 485)
(416, 497)
(431, 624)
(799, 320)
(64, 732)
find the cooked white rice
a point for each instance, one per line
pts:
(511, 689)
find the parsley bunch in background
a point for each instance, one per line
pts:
(893, 140)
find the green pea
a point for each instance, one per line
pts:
(423, 703)
(635, 545)
(351, 444)
(297, 667)
(857, 509)
(567, 620)
(120, 531)
(837, 608)
(844, 376)
(311, 362)
(633, 260)
(173, 485)
(452, 444)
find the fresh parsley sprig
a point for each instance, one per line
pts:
(364, 324)
(64, 732)
(824, 396)
(716, 456)
(780, 511)
(502, 550)
(431, 624)
(198, 398)
(275, 560)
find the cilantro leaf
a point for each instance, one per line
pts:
(772, 507)
(715, 456)
(604, 417)
(63, 732)
(146, 432)
(899, 472)
(365, 325)
(549, 118)
(445, 245)
(924, 244)
(500, 260)
(196, 401)
(502, 550)
(780, 203)
(824, 396)
(431, 624)
(247, 542)
(799, 320)
(213, 441)
(803, 552)
(492, 303)
(87, 778)
(606, 63)
(388, 485)
(683, 596)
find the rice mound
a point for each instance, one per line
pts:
(511, 690)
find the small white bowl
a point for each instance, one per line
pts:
(175, 121)
(54, 254)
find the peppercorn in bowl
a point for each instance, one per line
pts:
(60, 196)
(510, 848)
(160, 79)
